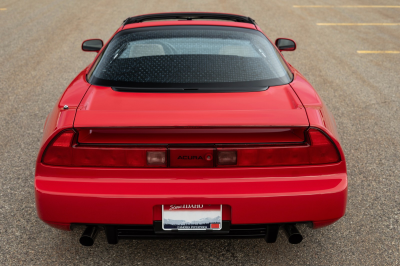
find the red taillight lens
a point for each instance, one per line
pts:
(64, 140)
(268, 156)
(59, 152)
(320, 151)
(63, 152)
(117, 157)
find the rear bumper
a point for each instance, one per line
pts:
(97, 196)
(116, 232)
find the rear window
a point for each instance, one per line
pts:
(179, 58)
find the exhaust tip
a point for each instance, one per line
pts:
(295, 239)
(86, 241)
(88, 236)
(293, 234)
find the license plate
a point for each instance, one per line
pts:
(192, 217)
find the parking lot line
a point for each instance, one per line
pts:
(358, 24)
(370, 6)
(314, 6)
(360, 6)
(3, 9)
(378, 52)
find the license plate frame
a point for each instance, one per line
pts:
(191, 217)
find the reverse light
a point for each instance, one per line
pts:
(227, 157)
(156, 158)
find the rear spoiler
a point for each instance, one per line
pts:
(189, 16)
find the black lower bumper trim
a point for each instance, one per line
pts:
(155, 231)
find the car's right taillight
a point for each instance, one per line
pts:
(322, 149)
(319, 149)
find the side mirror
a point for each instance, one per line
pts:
(92, 45)
(285, 44)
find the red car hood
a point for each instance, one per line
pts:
(104, 107)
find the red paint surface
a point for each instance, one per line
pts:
(277, 106)
(98, 195)
(188, 22)
(112, 197)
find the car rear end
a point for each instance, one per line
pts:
(238, 148)
(286, 179)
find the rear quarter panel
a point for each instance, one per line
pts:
(318, 113)
(60, 118)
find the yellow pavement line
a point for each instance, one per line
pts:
(3, 9)
(358, 24)
(370, 6)
(314, 6)
(347, 6)
(378, 52)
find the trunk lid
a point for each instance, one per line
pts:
(277, 106)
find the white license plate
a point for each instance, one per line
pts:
(192, 217)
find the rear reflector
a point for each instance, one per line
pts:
(65, 150)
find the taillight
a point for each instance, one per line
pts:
(59, 152)
(63, 152)
(319, 150)
(322, 150)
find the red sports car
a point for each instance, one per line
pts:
(190, 125)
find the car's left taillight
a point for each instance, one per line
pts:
(59, 151)
(64, 151)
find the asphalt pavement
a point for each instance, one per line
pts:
(354, 67)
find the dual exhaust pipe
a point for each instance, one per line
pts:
(89, 235)
(291, 232)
